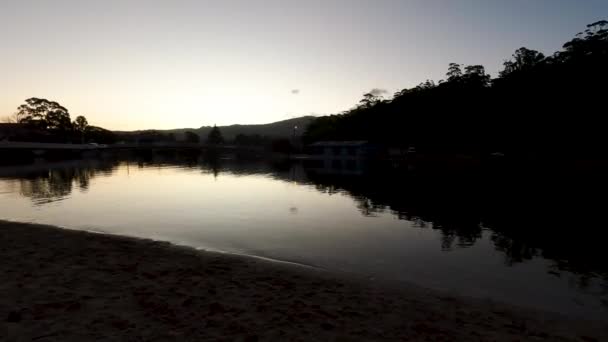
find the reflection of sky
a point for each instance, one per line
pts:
(167, 64)
(255, 214)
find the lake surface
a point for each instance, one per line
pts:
(533, 240)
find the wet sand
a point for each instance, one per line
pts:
(63, 285)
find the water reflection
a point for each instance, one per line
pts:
(49, 182)
(527, 215)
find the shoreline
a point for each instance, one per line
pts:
(60, 284)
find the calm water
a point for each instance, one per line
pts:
(535, 240)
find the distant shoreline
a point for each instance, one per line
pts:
(60, 284)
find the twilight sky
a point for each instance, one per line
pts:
(129, 64)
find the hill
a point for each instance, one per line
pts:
(279, 129)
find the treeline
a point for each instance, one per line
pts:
(156, 137)
(538, 106)
(214, 138)
(41, 120)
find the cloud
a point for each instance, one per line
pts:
(378, 92)
(295, 91)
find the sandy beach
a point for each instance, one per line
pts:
(63, 285)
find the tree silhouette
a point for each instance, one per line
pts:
(454, 72)
(522, 60)
(369, 100)
(80, 125)
(592, 41)
(44, 114)
(215, 136)
(538, 106)
(475, 75)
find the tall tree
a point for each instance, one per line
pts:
(44, 114)
(80, 125)
(475, 75)
(369, 100)
(538, 106)
(215, 136)
(454, 72)
(593, 41)
(523, 59)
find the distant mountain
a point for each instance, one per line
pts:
(279, 129)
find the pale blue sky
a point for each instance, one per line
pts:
(167, 64)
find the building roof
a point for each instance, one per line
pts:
(356, 143)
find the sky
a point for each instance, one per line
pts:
(130, 64)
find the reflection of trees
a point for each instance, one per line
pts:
(438, 207)
(529, 216)
(515, 250)
(525, 216)
(53, 185)
(212, 162)
(559, 219)
(83, 178)
(56, 181)
(368, 207)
